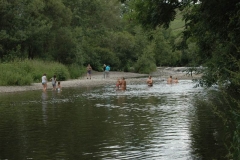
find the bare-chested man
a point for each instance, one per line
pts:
(150, 81)
(89, 70)
(123, 84)
(169, 81)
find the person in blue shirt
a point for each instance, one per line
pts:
(107, 70)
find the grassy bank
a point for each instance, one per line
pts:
(25, 72)
(177, 24)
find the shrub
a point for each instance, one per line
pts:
(14, 76)
(29, 71)
(76, 71)
(62, 73)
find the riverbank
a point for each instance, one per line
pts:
(97, 79)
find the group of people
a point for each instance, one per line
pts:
(170, 80)
(121, 84)
(56, 85)
(106, 70)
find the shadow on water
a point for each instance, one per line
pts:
(160, 122)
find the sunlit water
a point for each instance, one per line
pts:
(159, 122)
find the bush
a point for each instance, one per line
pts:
(76, 71)
(14, 75)
(145, 64)
(29, 71)
(61, 72)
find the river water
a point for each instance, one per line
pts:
(160, 122)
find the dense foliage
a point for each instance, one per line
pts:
(210, 37)
(79, 32)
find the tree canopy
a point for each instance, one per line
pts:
(212, 25)
(79, 32)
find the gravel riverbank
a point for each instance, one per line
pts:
(97, 79)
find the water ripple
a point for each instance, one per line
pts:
(139, 123)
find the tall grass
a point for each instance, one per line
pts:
(76, 71)
(30, 71)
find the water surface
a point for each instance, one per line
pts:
(159, 122)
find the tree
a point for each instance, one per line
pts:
(146, 62)
(215, 32)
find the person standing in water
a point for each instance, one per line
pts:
(44, 82)
(104, 71)
(150, 81)
(89, 70)
(169, 81)
(118, 84)
(54, 82)
(59, 87)
(123, 84)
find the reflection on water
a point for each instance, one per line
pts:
(160, 122)
(44, 106)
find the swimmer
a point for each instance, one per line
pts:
(150, 81)
(175, 80)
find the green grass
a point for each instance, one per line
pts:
(178, 24)
(29, 71)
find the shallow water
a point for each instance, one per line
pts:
(159, 122)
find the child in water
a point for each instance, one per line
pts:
(59, 88)
(118, 84)
(54, 81)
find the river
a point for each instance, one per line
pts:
(160, 122)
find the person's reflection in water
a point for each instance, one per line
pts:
(121, 99)
(54, 93)
(44, 106)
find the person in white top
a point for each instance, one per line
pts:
(54, 82)
(44, 82)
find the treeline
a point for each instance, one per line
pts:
(83, 31)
